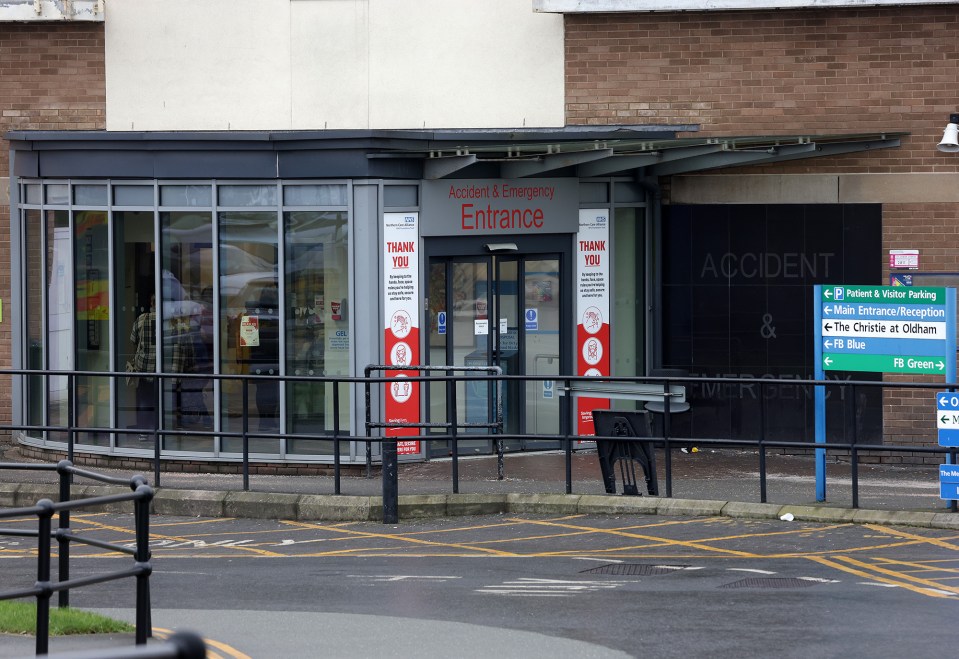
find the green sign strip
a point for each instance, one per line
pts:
(885, 294)
(834, 361)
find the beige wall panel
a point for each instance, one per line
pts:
(281, 65)
(187, 65)
(917, 188)
(4, 191)
(330, 64)
(473, 63)
(755, 189)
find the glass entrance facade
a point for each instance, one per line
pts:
(188, 279)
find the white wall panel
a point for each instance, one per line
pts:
(188, 65)
(314, 64)
(479, 63)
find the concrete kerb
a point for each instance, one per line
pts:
(550, 504)
(261, 505)
(191, 503)
(340, 508)
(692, 507)
(745, 510)
(325, 507)
(823, 514)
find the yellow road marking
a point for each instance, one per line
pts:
(160, 536)
(873, 577)
(401, 538)
(208, 520)
(900, 575)
(938, 542)
(164, 634)
(650, 538)
(924, 567)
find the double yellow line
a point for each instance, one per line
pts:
(214, 649)
(884, 575)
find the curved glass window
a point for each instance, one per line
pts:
(250, 327)
(317, 327)
(155, 278)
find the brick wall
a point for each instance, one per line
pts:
(51, 77)
(774, 72)
(794, 72)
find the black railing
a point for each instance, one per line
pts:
(449, 429)
(44, 510)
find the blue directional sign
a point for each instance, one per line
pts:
(949, 481)
(889, 329)
(886, 329)
(947, 417)
(441, 322)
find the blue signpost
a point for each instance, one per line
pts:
(886, 329)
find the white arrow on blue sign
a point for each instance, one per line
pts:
(947, 418)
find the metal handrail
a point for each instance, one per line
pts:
(570, 383)
(141, 496)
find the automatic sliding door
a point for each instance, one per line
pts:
(463, 340)
(505, 310)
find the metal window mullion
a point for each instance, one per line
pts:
(351, 326)
(281, 314)
(111, 313)
(217, 370)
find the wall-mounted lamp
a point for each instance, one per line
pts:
(950, 137)
(505, 247)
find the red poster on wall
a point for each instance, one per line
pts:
(401, 334)
(592, 309)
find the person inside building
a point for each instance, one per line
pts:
(143, 337)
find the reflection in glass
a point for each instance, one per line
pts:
(438, 312)
(91, 259)
(543, 292)
(471, 343)
(59, 319)
(249, 325)
(317, 326)
(133, 265)
(188, 327)
(33, 308)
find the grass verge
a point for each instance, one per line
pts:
(21, 618)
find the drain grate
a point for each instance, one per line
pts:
(772, 582)
(634, 569)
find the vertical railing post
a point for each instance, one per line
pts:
(43, 575)
(141, 514)
(71, 416)
(762, 444)
(454, 434)
(668, 454)
(246, 434)
(389, 467)
(369, 421)
(498, 402)
(156, 439)
(157, 407)
(336, 437)
(568, 438)
(854, 453)
(63, 543)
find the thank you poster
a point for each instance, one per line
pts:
(592, 309)
(402, 319)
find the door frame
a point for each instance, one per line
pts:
(526, 246)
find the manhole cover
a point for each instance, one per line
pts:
(633, 569)
(772, 582)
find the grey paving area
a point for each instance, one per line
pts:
(721, 474)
